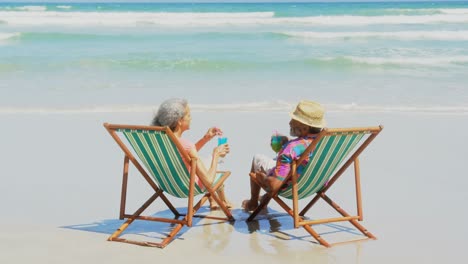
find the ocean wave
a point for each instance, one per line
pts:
(63, 36)
(458, 11)
(31, 36)
(454, 35)
(142, 62)
(444, 35)
(5, 37)
(273, 106)
(453, 110)
(131, 18)
(424, 11)
(340, 62)
(31, 8)
(64, 7)
(396, 62)
(180, 64)
(409, 61)
(409, 11)
(348, 20)
(403, 35)
(35, 18)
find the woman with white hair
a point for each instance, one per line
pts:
(175, 114)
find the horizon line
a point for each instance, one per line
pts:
(224, 2)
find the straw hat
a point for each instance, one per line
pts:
(309, 113)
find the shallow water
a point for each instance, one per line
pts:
(364, 56)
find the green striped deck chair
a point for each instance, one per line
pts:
(159, 158)
(330, 155)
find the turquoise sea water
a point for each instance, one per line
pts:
(349, 56)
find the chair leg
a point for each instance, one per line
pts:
(126, 224)
(355, 223)
(310, 204)
(171, 235)
(357, 179)
(222, 206)
(162, 244)
(200, 203)
(123, 196)
(309, 229)
(132, 218)
(212, 191)
(260, 207)
(168, 203)
(317, 237)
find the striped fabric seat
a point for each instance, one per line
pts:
(331, 154)
(324, 160)
(162, 160)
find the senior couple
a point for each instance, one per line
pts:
(306, 122)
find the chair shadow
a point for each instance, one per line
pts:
(269, 222)
(280, 225)
(142, 228)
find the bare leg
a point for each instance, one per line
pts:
(223, 198)
(252, 203)
(213, 204)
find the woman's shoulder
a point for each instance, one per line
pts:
(187, 144)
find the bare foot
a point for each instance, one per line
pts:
(228, 204)
(249, 205)
(213, 204)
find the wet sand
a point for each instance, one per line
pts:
(61, 176)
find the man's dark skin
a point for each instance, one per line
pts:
(297, 129)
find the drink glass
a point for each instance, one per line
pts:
(276, 143)
(222, 140)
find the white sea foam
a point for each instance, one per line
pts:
(428, 10)
(404, 35)
(422, 61)
(7, 36)
(455, 110)
(277, 106)
(454, 10)
(131, 18)
(64, 7)
(32, 8)
(211, 19)
(373, 20)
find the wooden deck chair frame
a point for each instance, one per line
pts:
(298, 217)
(158, 192)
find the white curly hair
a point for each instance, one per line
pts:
(169, 112)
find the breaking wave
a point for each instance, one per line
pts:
(274, 106)
(190, 19)
(397, 35)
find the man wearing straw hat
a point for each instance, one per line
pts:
(306, 122)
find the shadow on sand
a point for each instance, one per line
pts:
(272, 223)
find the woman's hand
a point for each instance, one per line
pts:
(221, 150)
(209, 135)
(212, 132)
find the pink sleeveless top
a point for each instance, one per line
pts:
(187, 145)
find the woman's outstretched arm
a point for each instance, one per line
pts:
(210, 134)
(202, 170)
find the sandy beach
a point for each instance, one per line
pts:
(67, 68)
(61, 181)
